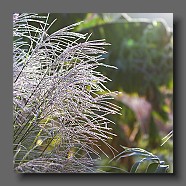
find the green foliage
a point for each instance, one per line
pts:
(146, 162)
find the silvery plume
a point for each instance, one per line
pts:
(60, 102)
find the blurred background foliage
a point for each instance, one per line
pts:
(142, 50)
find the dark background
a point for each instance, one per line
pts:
(7, 175)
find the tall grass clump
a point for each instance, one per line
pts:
(60, 102)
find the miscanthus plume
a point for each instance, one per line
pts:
(60, 102)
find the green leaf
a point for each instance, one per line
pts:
(152, 168)
(135, 167)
